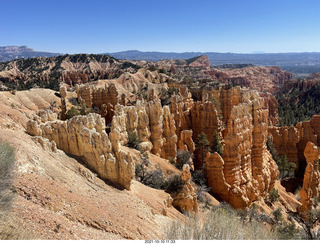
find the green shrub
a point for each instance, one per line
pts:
(133, 140)
(72, 112)
(216, 144)
(277, 214)
(83, 108)
(273, 195)
(288, 231)
(286, 168)
(152, 68)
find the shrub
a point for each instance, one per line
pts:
(83, 108)
(172, 160)
(72, 112)
(10, 229)
(288, 231)
(216, 145)
(198, 177)
(152, 68)
(173, 184)
(220, 223)
(141, 168)
(277, 214)
(183, 157)
(273, 195)
(286, 168)
(7, 158)
(154, 179)
(133, 140)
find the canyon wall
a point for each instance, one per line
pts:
(311, 181)
(293, 140)
(246, 169)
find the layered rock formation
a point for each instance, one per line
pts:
(202, 61)
(285, 141)
(186, 199)
(292, 140)
(264, 79)
(84, 136)
(169, 149)
(71, 69)
(246, 169)
(96, 97)
(311, 180)
(63, 94)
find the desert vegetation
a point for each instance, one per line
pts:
(225, 223)
(10, 229)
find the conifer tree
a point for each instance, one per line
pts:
(202, 144)
(216, 144)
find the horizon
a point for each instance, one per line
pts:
(246, 27)
(204, 53)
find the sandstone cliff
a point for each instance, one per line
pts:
(84, 136)
(311, 180)
(292, 141)
(246, 169)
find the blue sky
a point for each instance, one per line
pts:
(240, 26)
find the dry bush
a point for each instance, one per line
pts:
(7, 159)
(10, 229)
(219, 224)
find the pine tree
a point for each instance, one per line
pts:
(202, 144)
(216, 145)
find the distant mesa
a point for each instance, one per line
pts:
(8, 53)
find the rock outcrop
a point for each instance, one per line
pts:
(185, 141)
(186, 199)
(63, 94)
(292, 141)
(202, 61)
(311, 180)
(264, 79)
(85, 137)
(246, 169)
(169, 149)
(97, 97)
(155, 113)
(285, 141)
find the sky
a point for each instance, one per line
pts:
(93, 26)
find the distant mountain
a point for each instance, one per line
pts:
(47, 72)
(8, 53)
(263, 59)
(297, 63)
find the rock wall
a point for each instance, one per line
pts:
(285, 141)
(169, 149)
(85, 137)
(311, 180)
(246, 169)
(96, 97)
(155, 113)
(292, 140)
